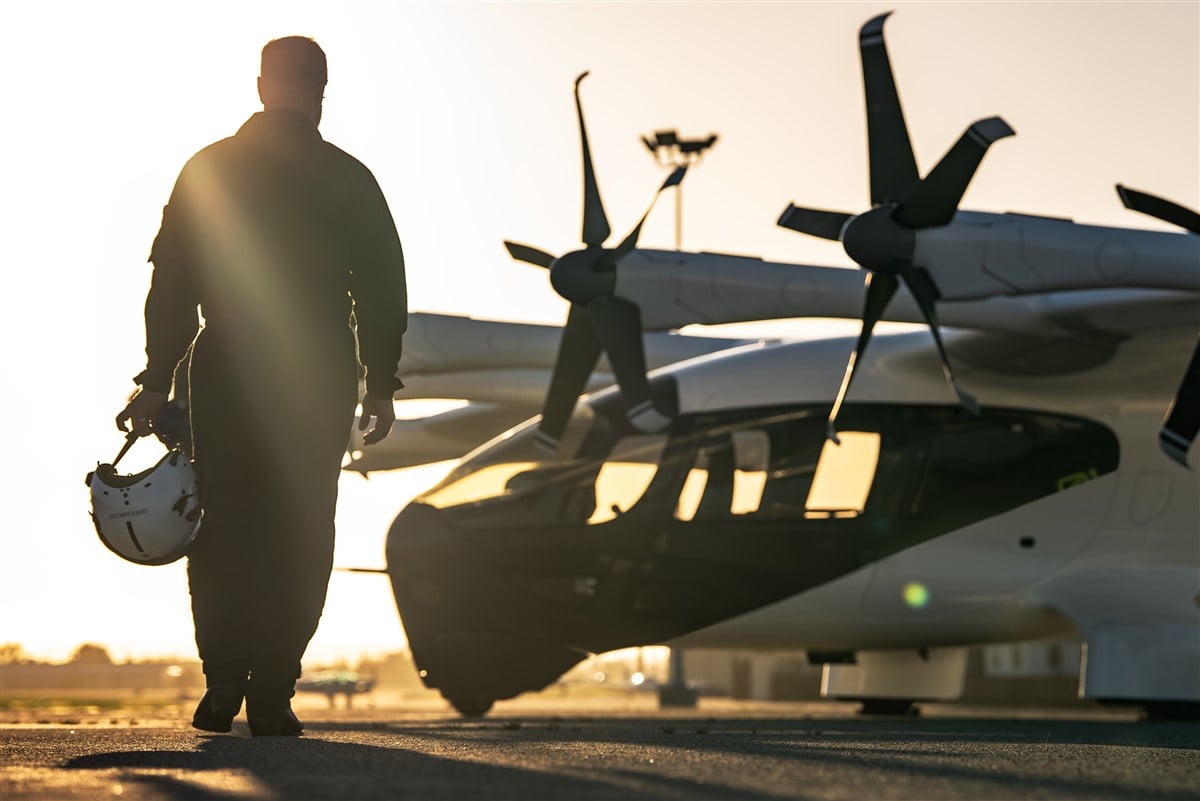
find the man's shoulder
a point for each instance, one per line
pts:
(348, 162)
(210, 152)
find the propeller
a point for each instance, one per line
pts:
(883, 240)
(1182, 422)
(1159, 208)
(598, 320)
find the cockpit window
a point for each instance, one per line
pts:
(594, 476)
(625, 475)
(487, 482)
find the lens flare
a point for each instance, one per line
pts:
(916, 594)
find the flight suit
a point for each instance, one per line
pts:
(286, 246)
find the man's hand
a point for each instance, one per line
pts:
(142, 411)
(384, 414)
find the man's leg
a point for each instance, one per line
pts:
(293, 551)
(228, 465)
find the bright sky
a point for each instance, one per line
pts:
(464, 112)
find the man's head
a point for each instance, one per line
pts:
(293, 76)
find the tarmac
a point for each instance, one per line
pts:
(598, 748)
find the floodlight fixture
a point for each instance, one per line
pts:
(670, 150)
(673, 151)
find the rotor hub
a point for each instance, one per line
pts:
(877, 242)
(581, 276)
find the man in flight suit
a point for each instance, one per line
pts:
(287, 247)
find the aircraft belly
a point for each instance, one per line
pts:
(968, 586)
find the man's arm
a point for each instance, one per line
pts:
(380, 302)
(171, 315)
(142, 412)
(384, 415)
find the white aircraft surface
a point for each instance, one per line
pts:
(499, 370)
(755, 497)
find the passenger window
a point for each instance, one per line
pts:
(625, 475)
(693, 490)
(727, 477)
(941, 469)
(784, 469)
(751, 452)
(844, 476)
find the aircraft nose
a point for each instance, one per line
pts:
(425, 575)
(418, 538)
(462, 621)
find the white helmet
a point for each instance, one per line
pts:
(149, 517)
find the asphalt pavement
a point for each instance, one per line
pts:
(720, 750)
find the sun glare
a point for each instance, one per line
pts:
(916, 595)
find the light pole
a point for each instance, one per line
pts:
(671, 151)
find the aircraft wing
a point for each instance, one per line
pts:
(501, 370)
(435, 438)
(675, 289)
(438, 344)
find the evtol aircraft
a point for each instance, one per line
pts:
(768, 495)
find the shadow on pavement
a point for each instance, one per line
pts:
(311, 768)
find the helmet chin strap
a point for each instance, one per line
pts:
(130, 438)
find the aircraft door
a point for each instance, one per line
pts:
(1017, 495)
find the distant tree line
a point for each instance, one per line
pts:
(12, 653)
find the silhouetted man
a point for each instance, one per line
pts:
(287, 247)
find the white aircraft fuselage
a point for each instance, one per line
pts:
(1115, 557)
(1065, 514)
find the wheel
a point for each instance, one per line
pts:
(893, 707)
(1172, 710)
(677, 695)
(468, 706)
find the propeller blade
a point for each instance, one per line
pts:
(925, 293)
(814, 222)
(595, 223)
(528, 254)
(1159, 208)
(880, 289)
(630, 241)
(619, 326)
(1183, 418)
(893, 166)
(578, 352)
(934, 200)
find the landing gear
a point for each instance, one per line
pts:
(891, 707)
(670, 695)
(467, 705)
(1158, 711)
(1161, 711)
(513, 665)
(676, 692)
